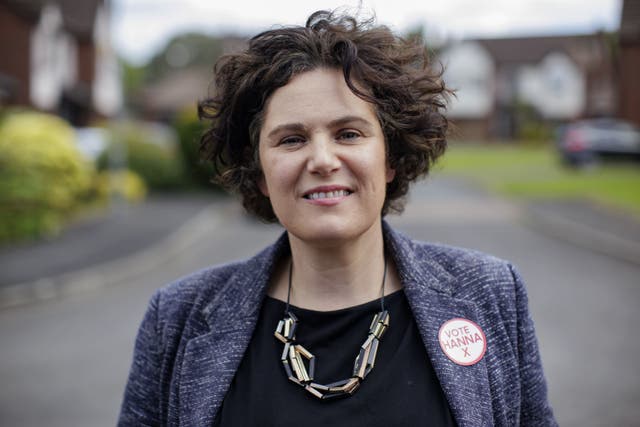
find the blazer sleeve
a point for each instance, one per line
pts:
(535, 409)
(141, 403)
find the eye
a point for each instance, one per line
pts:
(349, 135)
(292, 140)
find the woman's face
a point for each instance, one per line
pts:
(323, 157)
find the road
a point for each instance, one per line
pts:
(64, 362)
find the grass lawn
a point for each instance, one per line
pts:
(536, 172)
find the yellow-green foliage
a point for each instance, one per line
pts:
(42, 174)
(189, 130)
(150, 151)
(123, 183)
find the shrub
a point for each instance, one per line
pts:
(531, 127)
(150, 150)
(123, 184)
(189, 129)
(43, 176)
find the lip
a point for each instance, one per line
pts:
(329, 201)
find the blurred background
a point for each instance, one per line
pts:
(103, 198)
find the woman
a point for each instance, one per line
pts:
(343, 321)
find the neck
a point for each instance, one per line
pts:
(331, 277)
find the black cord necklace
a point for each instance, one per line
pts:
(293, 354)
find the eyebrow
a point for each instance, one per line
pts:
(341, 121)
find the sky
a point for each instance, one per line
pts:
(142, 27)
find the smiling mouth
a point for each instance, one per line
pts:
(327, 194)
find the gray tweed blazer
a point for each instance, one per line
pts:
(196, 330)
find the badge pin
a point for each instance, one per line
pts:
(462, 341)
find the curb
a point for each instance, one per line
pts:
(582, 235)
(115, 271)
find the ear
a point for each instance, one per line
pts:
(262, 185)
(390, 174)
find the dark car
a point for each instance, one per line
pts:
(588, 141)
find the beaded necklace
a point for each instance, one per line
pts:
(294, 355)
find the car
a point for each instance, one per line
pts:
(586, 142)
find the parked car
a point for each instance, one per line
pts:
(588, 141)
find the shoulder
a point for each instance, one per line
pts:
(197, 287)
(473, 273)
(447, 262)
(179, 304)
(464, 264)
(190, 299)
(462, 273)
(492, 284)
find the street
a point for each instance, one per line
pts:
(64, 362)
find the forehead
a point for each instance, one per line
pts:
(314, 96)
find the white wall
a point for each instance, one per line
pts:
(107, 86)
(555, 87)
(54, 59)
(469, 69)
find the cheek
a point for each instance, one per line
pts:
(277, 177)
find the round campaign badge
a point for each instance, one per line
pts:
(462, 341)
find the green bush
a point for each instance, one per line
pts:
(148, 150)
(531, 127)
(535, 133)
(43, 176)
(123, 184)
(189, 130)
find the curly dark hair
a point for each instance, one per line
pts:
(396, 74)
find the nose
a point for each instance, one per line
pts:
(323, 159)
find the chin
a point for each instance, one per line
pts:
(329, 230)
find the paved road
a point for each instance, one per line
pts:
(126, 229)
(64, 362)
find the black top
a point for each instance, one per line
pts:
(401, 390)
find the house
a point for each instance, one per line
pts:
(56, 56)
(555, 79)
(183, 83)
(177, 91)
(629, 62)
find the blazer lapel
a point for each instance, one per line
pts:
(209, 364)
(466, 387)
(429, 291)
(211, 359)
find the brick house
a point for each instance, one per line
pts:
(558, 78)
(629, 63)
(183, 86)
(56, 56)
